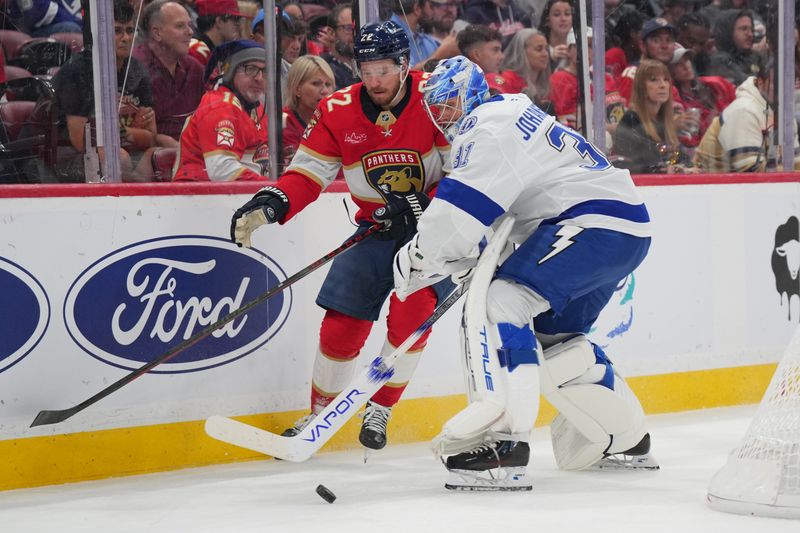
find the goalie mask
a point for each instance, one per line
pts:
(456, 87)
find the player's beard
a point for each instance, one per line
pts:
(388, 96)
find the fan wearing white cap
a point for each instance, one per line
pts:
(226, 138)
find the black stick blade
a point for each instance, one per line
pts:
(52, 417)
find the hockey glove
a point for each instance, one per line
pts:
(400, 215)
(269, 205)
(409, 271)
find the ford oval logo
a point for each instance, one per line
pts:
(136, 303)
(24, 313)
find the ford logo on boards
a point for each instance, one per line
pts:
(136, 303)
(24, 313)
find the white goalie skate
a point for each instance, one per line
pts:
(493, 466)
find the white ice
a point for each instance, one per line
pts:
(401, 490)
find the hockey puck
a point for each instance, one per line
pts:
(325, 493)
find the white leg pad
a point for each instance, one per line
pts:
(594, 419)
(480, 339)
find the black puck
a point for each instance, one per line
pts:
(326, 494)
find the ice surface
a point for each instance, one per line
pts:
(401, 490)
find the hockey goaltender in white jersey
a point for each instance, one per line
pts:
(580, 227)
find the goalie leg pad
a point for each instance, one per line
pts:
(600, 415)
(502, 371)
(480, 341)
(519, 359)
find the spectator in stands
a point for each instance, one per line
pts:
(733, 37)
(742, 138)
(226, 138)
(647, 135)
(408, 14)
(443, 17)
(340, 57)
(675, 9)
(481, 45)
(501, 15)
(658, 42)
(555, 24)
(176, 78)
(320, 35)
(694, 33)
(218, 21)
(310, 80)
(292, 39)
(527, 67)
(564, 86)
(74, 89)
(708, 94)
(295, 9)
(626, 43)
(437, 23)
(42, 18)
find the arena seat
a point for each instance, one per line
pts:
(11, 41)
(163, 160)
(14, 115)
(39, 54)
(15, 73)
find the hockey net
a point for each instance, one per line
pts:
(762, 475)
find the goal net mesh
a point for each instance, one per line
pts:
(762, 475)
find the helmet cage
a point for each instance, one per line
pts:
(457, 78)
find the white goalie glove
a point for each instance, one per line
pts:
(412, 272)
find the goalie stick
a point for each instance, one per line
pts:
(331, 419)
(342, 408)
(56, 416)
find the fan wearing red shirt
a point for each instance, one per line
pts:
(226, 138)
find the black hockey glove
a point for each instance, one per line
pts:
(269, 205)
(400, 216)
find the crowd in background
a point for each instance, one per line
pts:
(689, 84)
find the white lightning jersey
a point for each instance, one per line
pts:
(511, 157)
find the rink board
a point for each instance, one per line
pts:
(97, 280)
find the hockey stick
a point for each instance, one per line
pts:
(54, 417)
(306, 443)
(341, 409)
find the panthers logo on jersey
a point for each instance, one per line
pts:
(394, 171)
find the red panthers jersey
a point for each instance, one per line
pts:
(200, 51)
(223, 142)
(380, 151)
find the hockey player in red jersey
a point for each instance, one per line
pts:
(226, 138)
(392, 155)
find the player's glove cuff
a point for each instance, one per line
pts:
(268, 206)
(400, 215)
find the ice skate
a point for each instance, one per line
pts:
(636, 458)
(373, 426)
(298, 426)
(494, 466)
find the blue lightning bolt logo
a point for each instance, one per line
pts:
(564, 235)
